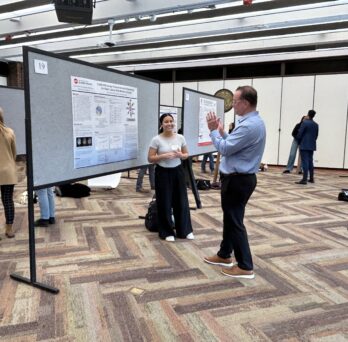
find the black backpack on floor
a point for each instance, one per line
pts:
(151, 220)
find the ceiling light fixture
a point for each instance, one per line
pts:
(16, 19)
(110, 43)
(153, 17)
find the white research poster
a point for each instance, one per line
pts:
(105, 122)
(205, 106)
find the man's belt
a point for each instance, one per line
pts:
(236, 174)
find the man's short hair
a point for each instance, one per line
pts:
(311, 113)
(249, 94)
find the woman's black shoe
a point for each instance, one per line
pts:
(301, 182)
(41, 223)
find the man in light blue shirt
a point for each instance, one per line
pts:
(241, 153)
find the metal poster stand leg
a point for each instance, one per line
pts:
(188, 166)
(32, 281)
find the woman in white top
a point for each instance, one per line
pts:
(167, 150)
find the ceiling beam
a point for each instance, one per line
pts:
(206, 40)
(235, 10)
(226, 60)
(308, 41)
(116, 9)
(186, 33)
(16, 5)
(265, 28)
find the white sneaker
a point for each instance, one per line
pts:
(190, 236)
(170, 238)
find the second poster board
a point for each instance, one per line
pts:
(196, 106)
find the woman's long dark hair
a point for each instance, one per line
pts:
(162, 117)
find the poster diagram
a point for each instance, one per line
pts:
(205, 106)
(174, 112)
(105, 122)
(131, 110)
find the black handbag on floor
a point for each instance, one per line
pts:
(203, 184)
(76, 190)
(343, 195)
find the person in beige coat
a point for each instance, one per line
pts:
(8, 174)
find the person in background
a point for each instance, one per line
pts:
(46, 198)
(231, 127)
(141, 174)
(241, 153)
(307, 137)
(294, 147)
(8, 173)
(207, 156)
(166, 150)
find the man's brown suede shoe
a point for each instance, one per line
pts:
(236, 272)
(216, 260)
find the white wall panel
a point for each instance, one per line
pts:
(269, 95)
(167, 93)
(233, 85)
(210, 87)
(330, 103)
(282, 102)
(178, 91)
(297, 99)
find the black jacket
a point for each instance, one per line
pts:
(295, 130)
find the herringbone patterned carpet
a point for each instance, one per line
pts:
(119, 282)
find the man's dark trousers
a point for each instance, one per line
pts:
(307, 164)
(236, 190)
